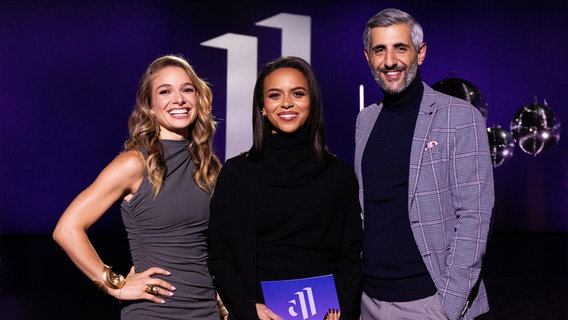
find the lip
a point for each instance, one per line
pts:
(392, 74)
(287, 116)
(179, 112)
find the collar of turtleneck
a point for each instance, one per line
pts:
(407, 98)
(289, 160)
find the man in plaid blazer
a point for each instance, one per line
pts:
(425, 184)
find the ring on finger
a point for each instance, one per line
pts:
(152, 289)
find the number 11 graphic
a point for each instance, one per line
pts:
(242, 58)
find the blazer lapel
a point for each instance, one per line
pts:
(419, 140)
(365, 125)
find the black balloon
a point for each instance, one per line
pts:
(535, 128)
(501, 145)
(463, 89)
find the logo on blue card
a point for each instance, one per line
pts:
(301, 299)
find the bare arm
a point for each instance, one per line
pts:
(120, 179)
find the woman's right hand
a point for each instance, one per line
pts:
(265, 313)
(138, 286)
(332, 314)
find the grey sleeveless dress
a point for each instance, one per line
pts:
(170, 232)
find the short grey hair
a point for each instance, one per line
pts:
(389, 17)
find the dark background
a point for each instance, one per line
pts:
(69, 71)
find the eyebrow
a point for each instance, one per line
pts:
(292, 89)
(396, 45)
(171, 85)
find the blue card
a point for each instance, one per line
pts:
(301, 299)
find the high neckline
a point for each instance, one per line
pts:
(405, 98)
(289, 160)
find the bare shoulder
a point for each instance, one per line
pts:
(131, 161)
(126, 168)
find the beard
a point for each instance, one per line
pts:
(408, 78)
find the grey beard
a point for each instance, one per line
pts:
(408, 78)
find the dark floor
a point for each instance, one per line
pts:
(525, 274)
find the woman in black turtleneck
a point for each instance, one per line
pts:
(286, 208)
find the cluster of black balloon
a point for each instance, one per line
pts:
(534, 127)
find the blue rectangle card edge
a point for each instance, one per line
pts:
(302, 298)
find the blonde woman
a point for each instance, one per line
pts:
(163, 179)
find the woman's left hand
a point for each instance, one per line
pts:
(265, 313)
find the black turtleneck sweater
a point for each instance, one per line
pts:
(284, 217)
(392, 266)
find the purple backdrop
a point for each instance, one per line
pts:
(68, 75)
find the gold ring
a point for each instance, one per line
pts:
(152, 289)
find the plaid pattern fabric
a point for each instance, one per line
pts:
(450, 196)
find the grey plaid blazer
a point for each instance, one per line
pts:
(450, 195)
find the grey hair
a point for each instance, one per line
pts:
(389, 17)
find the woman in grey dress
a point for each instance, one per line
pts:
(164, 178)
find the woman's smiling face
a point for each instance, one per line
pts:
(286, 99)
(174, 102)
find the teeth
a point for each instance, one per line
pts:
(287, 116)
(179, 111)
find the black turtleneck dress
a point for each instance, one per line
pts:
(284, 217)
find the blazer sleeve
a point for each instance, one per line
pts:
(349, 274)
(471, 184)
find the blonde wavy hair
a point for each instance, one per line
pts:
(145, 130)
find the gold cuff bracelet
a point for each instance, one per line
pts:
(112, 280)
(100, 286)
